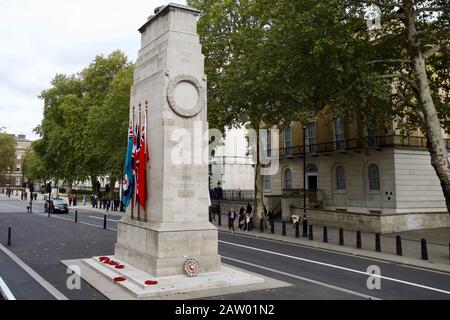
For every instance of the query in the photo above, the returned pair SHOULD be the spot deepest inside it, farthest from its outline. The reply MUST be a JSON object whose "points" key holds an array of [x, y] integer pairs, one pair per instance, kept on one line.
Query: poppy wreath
{"points": [[151, 282], [120, 266]]}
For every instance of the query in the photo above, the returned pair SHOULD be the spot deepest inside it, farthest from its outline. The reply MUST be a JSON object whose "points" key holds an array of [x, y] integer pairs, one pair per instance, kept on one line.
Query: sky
{"points": [[42, 38]]}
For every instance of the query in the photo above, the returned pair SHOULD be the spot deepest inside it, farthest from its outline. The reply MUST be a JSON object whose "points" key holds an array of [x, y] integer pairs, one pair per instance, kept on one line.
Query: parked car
{"points": [[57, 206]]}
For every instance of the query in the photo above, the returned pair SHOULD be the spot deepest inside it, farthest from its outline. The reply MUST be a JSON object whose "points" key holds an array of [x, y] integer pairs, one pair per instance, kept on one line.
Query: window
{"points": [[287, 179], [267, 186], [18, 168], [267, 143], [372, 130], [374, 178], [339, 135], [340, 178], [312, 143], [288, 141], [19, 156], [17, 181]]}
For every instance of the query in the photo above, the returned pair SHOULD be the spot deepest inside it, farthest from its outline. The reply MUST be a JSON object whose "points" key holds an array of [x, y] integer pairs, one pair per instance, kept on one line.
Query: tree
{"points": [[33, 167], [7, 151]]}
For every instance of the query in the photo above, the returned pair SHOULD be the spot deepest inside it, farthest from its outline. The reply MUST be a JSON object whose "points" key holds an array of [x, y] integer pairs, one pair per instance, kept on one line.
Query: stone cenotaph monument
{"points": [[169, 247]]}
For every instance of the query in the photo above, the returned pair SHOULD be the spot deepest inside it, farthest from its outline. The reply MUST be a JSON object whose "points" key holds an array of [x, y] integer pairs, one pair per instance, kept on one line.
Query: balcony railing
{"points": [[235, 195], [376, 142]]}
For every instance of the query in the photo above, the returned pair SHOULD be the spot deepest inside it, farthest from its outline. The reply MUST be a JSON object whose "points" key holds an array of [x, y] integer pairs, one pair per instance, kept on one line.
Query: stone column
{"points": [[170, 79]]}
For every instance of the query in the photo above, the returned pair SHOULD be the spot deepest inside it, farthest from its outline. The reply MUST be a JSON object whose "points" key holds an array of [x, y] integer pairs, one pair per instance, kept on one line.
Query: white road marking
{"points": [[305, 279], [85, 223], [112, 220], [5, 292], [44, 283], [337, 267]]}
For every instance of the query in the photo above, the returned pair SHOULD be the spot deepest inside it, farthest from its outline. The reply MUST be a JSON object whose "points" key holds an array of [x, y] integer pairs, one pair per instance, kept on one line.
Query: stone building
{"points": [[359, 175]]}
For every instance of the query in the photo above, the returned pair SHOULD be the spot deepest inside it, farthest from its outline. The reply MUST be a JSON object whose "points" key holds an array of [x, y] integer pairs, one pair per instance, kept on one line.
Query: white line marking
{"points": [[5, 292], [85, 223], [112, 220], [305, 279], [337, 267], [44, 283]]}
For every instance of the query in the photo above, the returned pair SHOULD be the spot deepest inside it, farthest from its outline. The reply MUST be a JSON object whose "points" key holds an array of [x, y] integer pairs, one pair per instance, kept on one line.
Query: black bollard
{"points": [[449, 250], [398, 241], [220, 220], [424, 249], [341, 237], [305, 228], [325, 234], [297, 229], [104, 222], [311, 234], [261, 225], [284, 228], [76, 216], [358, 240], [377, 242], [9, 237], [272, 227]]}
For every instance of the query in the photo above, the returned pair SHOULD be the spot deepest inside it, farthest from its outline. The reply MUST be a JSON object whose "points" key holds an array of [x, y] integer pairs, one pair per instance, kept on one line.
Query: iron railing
{"points": [[356, 144]]}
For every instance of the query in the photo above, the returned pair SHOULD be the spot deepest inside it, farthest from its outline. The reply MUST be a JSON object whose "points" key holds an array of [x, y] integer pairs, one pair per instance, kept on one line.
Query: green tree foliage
{"points": [[7, 151], [33, 167]]}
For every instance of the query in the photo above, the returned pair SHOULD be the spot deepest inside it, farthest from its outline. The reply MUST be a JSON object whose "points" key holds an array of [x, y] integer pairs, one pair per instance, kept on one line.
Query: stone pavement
{"points": [[438, 242]]}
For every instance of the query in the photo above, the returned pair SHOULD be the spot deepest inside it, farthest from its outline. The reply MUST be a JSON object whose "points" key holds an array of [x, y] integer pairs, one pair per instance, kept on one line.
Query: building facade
{"points": [[365, 176]]}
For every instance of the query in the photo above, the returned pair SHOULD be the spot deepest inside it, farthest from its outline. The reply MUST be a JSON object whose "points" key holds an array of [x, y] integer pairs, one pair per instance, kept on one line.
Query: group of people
{"points": [[73, 200], [245, 218], [105, 203]]}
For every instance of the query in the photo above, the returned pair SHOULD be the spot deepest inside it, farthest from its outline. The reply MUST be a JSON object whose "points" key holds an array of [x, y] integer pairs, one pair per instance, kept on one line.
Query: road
{"points": [[40, 243]]}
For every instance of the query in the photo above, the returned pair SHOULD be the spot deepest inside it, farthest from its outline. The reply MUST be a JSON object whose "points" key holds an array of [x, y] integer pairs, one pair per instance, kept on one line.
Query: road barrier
{"points": [[424, 249], [341, 237], [398, 245], [377, 242], [325, 234], [311, 234], [358, 240]]}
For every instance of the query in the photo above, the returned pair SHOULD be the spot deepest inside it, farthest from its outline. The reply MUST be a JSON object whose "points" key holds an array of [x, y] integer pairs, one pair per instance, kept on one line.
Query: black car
{"points": [[57, 206]]}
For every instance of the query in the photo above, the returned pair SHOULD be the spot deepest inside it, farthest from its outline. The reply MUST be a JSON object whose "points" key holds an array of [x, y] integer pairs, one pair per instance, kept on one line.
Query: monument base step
{"points": [[228, 280]]}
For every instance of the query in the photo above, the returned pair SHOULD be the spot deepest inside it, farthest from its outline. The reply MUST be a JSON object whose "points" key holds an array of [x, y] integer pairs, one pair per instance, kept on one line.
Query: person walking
{"points": [[231, 217]]}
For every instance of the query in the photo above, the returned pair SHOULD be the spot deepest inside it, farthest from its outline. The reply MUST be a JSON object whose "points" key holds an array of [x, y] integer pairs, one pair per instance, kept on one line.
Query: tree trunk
{"points": [[435, 140], [69, 187], [94, 186], [259, 184]]}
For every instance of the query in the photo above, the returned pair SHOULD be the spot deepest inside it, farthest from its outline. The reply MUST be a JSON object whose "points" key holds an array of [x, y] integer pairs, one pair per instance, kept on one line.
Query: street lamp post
{"points": [[304, 168]]}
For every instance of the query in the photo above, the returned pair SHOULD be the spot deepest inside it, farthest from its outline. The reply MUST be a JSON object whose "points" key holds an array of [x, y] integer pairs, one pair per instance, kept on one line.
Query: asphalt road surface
{"points": [[40, 243]]}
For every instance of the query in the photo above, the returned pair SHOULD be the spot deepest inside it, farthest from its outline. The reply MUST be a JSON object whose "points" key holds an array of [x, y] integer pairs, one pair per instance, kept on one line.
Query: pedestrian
{"points": [[70, 200], [231, 217], [271, 217], [248, 221], [75, 200], [35, 197], [241, 221], [249, 209], [84, 200]]}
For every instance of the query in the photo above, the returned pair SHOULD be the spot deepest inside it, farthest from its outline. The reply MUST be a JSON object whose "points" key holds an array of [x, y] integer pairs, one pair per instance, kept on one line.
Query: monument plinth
{"points": [[170, 78]]}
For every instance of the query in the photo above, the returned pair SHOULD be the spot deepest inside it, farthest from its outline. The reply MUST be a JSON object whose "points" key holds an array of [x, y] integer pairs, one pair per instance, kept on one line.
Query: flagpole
{"points": [[137, 155], [146, 154], [132, 205]]}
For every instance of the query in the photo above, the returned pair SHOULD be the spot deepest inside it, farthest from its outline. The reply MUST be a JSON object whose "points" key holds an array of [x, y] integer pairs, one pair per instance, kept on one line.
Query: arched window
{"points": [[374, 178], [340, 178], [287, 179]]}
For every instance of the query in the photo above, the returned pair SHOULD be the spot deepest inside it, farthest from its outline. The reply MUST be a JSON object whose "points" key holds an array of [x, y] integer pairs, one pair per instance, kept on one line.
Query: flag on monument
{"points": [[128, 180], [136, 147], [143, 159]]}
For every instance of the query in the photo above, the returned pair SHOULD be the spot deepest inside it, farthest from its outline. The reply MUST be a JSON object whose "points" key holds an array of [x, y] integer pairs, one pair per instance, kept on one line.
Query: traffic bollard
{"points": [[305, 228], [424, 249], [261, 225], [220, 220], [284, 228], [341, 237], [104, 222], [325, 234], [76, 216], [9, 237], [297, 229], [358, 240], [398, 242], [272, 227], [311, 234], [377, 242]]}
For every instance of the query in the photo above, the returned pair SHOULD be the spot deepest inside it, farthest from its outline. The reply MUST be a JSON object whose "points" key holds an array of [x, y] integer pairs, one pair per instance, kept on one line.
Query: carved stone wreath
{"points": [[192, 267], [179, 110]]}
